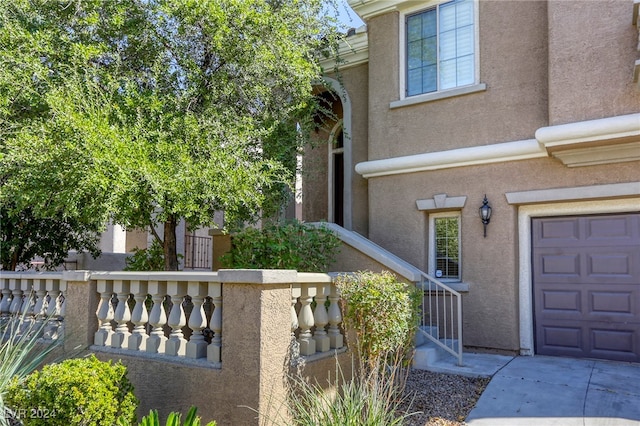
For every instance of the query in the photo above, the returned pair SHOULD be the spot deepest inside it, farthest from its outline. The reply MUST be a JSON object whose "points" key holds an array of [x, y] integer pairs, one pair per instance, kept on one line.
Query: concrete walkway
{"points": [[547, 391]]}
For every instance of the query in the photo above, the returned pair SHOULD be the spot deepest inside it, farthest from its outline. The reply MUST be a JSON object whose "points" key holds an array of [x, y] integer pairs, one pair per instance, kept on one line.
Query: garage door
{"points": [[586, 284]]}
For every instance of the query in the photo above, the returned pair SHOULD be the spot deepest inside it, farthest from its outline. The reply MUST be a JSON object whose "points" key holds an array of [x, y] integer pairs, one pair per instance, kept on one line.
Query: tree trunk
{"points": [[170, 243]]}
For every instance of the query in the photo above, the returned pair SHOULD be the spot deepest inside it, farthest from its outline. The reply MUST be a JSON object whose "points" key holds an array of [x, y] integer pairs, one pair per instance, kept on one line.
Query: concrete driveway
{"points": [[543, 390]]}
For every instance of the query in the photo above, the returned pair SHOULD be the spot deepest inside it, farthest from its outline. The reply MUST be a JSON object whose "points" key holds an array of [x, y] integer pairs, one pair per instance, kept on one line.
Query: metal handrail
{"points": [[451, 326]]}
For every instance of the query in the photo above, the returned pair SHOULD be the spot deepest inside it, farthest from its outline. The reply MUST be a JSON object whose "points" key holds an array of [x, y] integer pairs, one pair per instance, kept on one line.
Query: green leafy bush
{"points": [[290, 245], [149, 259], [383, 312], [81, 391], [174, 419]]}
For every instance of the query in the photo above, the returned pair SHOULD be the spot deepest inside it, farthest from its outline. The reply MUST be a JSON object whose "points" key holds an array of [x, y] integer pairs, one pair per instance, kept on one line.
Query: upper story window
{"points": [[440, 48]]}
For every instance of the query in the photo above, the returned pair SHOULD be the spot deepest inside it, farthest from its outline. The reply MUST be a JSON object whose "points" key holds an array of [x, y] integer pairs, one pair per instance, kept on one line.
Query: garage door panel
{"points": [[561, 302], [586, 283], [562, 339], [582, 340], [551, 265], [609, 230], [613, 303]]}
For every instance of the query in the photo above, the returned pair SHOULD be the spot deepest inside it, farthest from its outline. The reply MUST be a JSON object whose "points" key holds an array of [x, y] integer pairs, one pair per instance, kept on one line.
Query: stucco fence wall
{"points": [[249, 384]]}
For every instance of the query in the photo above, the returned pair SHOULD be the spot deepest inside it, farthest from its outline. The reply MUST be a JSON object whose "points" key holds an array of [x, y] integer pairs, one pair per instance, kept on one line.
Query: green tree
{"points": [[148, 112]]}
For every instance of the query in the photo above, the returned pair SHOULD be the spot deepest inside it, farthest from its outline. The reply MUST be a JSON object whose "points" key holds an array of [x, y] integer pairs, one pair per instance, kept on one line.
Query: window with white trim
{"points": [[444, 247], [440, 48]]}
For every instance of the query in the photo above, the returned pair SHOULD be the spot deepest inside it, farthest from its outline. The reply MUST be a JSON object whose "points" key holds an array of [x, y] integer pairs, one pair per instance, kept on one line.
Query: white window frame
{"points": [[476, 86], [432, 244]]}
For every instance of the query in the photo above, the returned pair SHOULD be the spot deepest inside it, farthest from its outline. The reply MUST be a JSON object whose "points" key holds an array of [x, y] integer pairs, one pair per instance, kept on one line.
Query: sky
{"points": [[347, 16]]}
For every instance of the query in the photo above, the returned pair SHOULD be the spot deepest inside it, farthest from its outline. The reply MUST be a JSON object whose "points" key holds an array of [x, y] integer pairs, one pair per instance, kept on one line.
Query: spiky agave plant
{"points": [[21, 352]]}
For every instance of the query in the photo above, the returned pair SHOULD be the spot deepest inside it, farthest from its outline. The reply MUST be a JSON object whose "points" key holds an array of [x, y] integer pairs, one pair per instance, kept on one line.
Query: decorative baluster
{"points": [[62, 310], [105, 314], [321, 319], [197, 347], [214, 350], [54, 323], [5, 302], [40, 306], [26, 310], [305, 319], [295, 294], [139, 317], [176, 345], [16, 296], [156, 343], [122, 314], [336, 339]]}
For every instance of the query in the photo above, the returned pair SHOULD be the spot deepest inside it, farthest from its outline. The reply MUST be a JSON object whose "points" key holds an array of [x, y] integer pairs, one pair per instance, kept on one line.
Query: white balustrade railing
{"points": [[35, 300], [318, 330], [177, 315], [137, 309]]}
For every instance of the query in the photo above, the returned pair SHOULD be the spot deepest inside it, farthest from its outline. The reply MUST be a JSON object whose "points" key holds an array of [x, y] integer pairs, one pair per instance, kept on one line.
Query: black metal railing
{"points": [[197, 252]]}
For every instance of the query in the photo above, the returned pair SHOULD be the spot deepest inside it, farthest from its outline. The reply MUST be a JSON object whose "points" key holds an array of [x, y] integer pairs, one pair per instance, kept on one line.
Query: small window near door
{"points": [[445, 252]]}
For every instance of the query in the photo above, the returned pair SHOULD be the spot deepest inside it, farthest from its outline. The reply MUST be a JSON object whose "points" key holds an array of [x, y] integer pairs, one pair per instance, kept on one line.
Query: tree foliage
{"points": [[148, 112], [291, 245]]}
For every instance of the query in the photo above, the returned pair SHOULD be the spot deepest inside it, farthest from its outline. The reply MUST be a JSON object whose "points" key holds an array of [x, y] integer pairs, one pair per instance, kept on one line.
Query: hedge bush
{"points": [[383, 312], [289, 245], [81, 391]]}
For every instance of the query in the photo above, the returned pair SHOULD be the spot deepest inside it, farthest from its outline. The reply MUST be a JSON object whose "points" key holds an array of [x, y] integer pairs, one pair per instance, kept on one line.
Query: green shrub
{"points": [[174, 419], [290, 245], [149, 259], [383, 312], [81, 391]]}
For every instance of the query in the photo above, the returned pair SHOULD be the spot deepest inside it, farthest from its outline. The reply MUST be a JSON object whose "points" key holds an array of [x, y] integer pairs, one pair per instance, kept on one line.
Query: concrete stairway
{"points": [[429, 356]]}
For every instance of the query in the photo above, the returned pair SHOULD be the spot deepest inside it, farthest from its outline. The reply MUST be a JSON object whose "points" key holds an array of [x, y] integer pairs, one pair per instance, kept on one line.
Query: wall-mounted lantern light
{"points": [[485, 214]]}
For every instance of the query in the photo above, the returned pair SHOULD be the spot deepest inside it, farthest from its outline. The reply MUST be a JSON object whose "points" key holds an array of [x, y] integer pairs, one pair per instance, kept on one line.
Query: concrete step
{"points": [[420, 339], [432, 358], [427, 354]]}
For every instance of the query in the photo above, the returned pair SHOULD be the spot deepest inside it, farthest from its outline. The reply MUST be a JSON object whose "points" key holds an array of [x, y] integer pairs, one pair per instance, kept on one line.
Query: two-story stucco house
{"points": [[535, 104]]}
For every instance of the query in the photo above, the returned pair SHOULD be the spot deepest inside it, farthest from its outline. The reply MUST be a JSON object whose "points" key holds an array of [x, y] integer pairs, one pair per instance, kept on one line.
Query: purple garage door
{"points": [[586, 286]]}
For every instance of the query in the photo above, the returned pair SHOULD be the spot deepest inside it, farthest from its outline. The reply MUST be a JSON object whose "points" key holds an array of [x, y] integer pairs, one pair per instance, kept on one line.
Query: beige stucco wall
{"points": [[592, 51], [543, 63], [489, 265], [256, 367], [314, 191], [513, 65], [352, 260]]}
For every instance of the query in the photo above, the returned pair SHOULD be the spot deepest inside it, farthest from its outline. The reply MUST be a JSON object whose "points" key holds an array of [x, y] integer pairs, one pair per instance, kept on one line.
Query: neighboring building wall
{"points": [[136, 239]]}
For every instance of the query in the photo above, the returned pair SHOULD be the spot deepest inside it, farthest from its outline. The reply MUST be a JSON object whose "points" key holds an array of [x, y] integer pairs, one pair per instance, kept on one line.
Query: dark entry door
{"points": [[586, 285]]}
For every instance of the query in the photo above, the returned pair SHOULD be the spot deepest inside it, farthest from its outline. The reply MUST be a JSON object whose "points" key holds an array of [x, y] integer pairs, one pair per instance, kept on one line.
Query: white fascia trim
{"points": [[443, 94], [486, 154], [592, 192], [601, 129], [607, 154], [367, 9], [352, 51]]}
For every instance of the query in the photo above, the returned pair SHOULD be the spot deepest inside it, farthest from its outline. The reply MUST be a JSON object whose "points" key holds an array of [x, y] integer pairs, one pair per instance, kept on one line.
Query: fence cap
{"points": [[258, 276], [156, 276]]}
